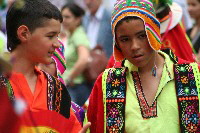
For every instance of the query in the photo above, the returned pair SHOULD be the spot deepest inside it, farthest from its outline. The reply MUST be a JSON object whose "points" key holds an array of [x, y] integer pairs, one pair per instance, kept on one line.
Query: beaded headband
{"points": [[142, 9]]}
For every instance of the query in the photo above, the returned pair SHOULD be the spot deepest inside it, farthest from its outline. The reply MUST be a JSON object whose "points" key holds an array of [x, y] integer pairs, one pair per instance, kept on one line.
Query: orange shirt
{"points": [[35, 101]]}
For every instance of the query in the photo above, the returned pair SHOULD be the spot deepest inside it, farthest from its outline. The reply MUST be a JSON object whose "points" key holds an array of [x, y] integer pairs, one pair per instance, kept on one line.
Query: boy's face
{"points": [[50, 68], [43, 41], [132, 40]]}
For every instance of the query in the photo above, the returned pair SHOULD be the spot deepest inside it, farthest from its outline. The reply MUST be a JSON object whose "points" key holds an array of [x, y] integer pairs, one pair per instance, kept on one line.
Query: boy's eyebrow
{"points": [[53, 32], [138, 33], [141, 32]]}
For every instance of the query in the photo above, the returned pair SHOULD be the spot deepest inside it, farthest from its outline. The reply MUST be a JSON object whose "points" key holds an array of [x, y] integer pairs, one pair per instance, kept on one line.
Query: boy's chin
{"points": [[47, 61]]}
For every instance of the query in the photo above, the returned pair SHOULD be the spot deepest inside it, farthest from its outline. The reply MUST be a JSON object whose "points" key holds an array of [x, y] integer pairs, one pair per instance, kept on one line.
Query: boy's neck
{"points": [[22, 65], [159, 61]]}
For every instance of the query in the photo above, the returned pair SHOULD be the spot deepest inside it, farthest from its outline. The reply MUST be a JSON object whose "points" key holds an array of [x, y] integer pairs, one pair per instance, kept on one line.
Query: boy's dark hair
{"points": [[75, 9], [31, 13]]}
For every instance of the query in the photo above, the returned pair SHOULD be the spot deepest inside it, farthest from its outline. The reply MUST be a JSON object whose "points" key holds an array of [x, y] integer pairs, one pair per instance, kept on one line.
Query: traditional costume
{"points": [[50, 96]]}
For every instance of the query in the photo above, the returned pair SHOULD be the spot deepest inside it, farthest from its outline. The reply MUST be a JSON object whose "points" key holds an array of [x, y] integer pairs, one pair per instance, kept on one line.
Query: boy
{"points": [[32, 30], [153, 91]]}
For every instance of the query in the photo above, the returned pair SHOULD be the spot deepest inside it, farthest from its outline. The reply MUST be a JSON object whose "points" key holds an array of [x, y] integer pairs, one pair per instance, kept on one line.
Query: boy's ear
{"points": [[23, 33]]}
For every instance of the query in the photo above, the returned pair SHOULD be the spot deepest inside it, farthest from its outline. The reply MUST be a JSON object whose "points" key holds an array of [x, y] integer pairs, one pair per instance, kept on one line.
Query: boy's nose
{"points": [[56, 44], [134, 45]]}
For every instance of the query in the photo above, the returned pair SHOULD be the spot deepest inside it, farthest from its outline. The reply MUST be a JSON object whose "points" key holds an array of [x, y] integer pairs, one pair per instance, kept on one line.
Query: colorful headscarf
{"points": [[142, 9], [58, 57]]}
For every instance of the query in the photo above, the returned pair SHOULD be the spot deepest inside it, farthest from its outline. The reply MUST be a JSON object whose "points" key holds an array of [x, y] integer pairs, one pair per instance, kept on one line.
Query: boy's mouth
{"points": [[50, 53], [137, 56]]}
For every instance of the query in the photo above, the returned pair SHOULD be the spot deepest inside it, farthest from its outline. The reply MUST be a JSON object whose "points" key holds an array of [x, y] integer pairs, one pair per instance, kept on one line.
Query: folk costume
{"points": [[118, 104], [50, 94]]}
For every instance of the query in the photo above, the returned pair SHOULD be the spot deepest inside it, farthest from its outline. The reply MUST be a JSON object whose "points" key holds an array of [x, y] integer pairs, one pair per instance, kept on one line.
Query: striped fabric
{"points": [[60, 61]]}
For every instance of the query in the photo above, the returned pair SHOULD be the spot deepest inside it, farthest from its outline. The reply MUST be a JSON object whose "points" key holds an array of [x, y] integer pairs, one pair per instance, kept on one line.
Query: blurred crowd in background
{"points": [[86, 27]]}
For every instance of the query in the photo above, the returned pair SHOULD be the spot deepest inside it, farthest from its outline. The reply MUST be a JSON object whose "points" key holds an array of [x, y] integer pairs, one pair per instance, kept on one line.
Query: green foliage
{"points": [[163, 2]]}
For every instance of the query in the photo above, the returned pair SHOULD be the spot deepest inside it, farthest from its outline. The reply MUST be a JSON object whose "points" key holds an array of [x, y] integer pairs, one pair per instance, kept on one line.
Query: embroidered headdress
{"points": [[58, 57], [142, 9]]}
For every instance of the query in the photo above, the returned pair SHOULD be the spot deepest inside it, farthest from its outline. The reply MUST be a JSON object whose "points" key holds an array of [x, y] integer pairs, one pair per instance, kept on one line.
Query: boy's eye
{"points": [[51, 36], [142, 36], [124, 39]]}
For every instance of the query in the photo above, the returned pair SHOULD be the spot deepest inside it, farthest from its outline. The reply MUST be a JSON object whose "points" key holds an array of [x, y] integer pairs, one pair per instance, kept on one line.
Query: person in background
{"points": [[186, 19], [3, 12], [170, 15], [153, 91], [76, 53], [97, 25], [194, 32], [3, 40]]}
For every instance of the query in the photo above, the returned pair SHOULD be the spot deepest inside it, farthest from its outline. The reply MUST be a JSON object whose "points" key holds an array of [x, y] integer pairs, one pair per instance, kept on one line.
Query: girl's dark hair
{"points": [[75, 9]]}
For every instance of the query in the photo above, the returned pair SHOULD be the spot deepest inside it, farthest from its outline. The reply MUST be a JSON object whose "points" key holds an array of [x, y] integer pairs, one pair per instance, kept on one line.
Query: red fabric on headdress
{"points": [[177, 41]]}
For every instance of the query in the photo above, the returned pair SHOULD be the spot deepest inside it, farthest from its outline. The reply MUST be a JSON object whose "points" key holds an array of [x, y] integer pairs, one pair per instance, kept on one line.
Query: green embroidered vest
{"points": [[187, 84]]}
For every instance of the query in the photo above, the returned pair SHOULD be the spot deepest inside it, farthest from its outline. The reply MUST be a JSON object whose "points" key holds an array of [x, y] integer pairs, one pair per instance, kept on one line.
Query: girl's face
{"points": [[70, 22], [194, 8], [132, 40]]}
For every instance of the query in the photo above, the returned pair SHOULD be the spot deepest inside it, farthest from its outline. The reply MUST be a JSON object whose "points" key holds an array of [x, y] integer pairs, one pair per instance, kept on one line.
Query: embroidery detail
{"points": [[171, 55], [146, 110], [50, 91], [58, 96], [115, 100], [187, 97], [54, 84], [4, 83]]}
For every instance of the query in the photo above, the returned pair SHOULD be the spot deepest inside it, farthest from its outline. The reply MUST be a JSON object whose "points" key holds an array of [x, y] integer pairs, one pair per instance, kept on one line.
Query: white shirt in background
{"points": [[94, 25]]}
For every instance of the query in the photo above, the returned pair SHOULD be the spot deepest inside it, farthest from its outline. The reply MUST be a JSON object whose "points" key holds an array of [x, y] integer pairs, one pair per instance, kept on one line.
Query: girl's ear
{"points": [[23, 33]]}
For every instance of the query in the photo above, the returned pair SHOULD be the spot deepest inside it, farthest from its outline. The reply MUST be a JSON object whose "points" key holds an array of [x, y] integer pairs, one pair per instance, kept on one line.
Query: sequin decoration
{"points": [[187, 97], [50, 91], [5, 83], [115, 100]]}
